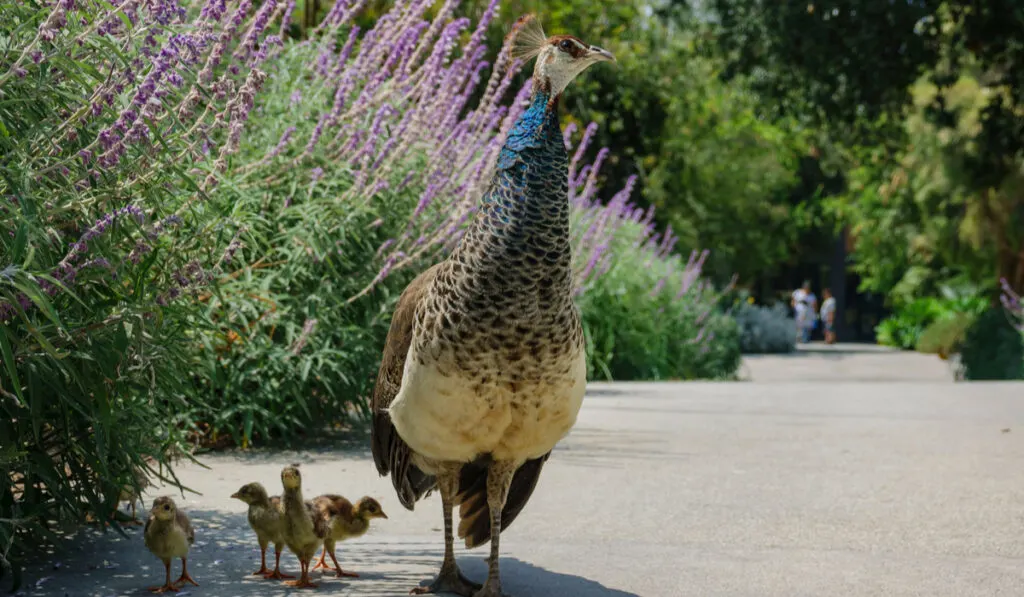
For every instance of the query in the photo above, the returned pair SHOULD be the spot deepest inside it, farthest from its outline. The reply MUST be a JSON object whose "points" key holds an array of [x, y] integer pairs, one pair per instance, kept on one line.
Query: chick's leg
{"points": [[167, 582], [263, 571], [277, 574], [330, 549], [323, 558], [450, 579], [499, 479], [303, 582], [185, 577]]}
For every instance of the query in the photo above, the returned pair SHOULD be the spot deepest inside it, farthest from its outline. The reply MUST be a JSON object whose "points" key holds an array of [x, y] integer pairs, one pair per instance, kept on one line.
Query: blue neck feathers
{"points": [[534, 128]]}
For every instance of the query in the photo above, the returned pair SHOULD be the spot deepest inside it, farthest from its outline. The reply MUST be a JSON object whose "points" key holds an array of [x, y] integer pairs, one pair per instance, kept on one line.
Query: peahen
{"points": [[484, 370]]}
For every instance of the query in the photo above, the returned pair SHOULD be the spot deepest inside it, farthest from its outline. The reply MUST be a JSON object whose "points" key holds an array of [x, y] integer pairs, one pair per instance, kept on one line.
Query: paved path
{"points": [[821, 362], [702, 489]]}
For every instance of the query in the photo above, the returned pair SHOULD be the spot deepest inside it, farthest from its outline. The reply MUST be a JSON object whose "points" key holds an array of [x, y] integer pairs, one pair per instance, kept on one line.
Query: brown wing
{"points": [[475, 514], [182, 520], [390, 453], [320, 524]]}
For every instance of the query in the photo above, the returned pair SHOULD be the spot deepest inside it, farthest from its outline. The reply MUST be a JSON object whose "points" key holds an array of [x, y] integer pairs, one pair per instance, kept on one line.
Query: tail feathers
{"points": [[475, 514]]}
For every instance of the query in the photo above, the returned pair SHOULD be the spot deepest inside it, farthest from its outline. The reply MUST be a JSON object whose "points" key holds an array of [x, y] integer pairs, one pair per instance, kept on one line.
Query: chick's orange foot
{"points": [[167, 588]]}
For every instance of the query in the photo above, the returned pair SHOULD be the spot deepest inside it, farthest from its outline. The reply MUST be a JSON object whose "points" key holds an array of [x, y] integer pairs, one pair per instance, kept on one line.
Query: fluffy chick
{"points": [[266, 517], [344, 521], [304, 531], [169, 535]]}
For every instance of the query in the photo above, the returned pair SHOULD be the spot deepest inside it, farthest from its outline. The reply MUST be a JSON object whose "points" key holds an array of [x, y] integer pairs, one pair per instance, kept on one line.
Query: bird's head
{"points": [[291, 478], [560, 58], [251, 493], [368, 508], [163, 508]]}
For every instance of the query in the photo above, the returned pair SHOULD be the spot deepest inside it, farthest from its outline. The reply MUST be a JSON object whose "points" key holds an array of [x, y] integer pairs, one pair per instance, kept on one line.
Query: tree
{"points": [[849, 68]]}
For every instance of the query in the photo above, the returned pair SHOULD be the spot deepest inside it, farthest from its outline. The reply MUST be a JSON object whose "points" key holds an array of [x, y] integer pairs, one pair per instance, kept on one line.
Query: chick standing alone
{"points": [[344, 521], [169, 535], [304, 530], [266, 517]]}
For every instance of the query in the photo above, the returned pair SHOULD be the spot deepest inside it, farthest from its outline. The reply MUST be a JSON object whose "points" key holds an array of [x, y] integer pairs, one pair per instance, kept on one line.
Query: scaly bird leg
{"points": [[499, 479], [185, 577], [167, 582], [277, 574], [338, 566], [263, 571], [450, 579]]}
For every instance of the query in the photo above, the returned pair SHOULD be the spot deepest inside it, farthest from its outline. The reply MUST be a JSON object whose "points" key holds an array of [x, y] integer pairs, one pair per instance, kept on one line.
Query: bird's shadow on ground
{"points": [[96, 564]]}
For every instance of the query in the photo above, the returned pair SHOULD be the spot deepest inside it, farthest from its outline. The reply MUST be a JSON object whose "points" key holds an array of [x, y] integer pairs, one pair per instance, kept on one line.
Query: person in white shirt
{"points": [[805, 305], [828, 316]]}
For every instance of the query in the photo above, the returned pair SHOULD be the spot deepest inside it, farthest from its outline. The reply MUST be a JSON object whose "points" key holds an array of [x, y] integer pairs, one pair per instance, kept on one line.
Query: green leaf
{"points": [[5, 351], [20, 241]]}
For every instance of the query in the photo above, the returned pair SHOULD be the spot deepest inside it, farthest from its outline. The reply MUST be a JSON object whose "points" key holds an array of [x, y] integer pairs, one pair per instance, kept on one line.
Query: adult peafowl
{"points": [[484, 370]]}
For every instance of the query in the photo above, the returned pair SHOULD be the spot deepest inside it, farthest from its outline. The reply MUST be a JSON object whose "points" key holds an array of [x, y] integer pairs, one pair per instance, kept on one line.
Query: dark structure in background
{"points": [[857, 313]]}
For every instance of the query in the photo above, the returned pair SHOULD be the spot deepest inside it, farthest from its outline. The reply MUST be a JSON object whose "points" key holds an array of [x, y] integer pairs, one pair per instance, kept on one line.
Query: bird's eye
{"points": [[565, 45], [167, 507]]}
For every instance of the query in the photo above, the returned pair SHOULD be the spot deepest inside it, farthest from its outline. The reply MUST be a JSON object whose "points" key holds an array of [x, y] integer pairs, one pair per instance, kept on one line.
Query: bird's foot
{"points": [[302, 583], [185, 578], [263, 571], [169, 587], [449, 581], [135, 522], [278, 575], [348, 574]]}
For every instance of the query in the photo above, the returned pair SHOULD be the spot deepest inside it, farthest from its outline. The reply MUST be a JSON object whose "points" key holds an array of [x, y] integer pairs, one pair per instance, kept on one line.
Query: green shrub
{"points": [[904, 327], [945, 336], [765, 329], [993, 348], [652, 319]]}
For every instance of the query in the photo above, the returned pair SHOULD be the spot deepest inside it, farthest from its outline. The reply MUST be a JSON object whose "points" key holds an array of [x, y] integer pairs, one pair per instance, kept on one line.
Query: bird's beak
{"points": [[600, 54], [382, 515], [235, 495]]}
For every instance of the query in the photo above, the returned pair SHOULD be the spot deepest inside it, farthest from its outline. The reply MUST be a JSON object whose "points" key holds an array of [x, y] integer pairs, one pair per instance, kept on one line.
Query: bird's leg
{"points": [[338, 566], [277, 574], [167, 582], [185, 577], [263, 571], [450, 579], [303, 582], [323, 558], [499, 479]]}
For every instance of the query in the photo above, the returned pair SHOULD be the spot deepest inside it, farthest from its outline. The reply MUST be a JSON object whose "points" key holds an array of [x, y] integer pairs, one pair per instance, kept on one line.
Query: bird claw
{"points": [[183, 579], [164, 589], [449, 582], [278, 575]]}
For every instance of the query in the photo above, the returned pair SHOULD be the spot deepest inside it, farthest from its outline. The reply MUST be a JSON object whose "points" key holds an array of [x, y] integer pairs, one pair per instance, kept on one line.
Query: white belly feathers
{"points": [[455, 418]]}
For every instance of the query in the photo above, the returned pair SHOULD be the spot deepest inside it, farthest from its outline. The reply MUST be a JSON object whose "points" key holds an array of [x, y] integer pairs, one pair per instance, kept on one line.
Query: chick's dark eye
{"points": [[565, 45], [166, 507]]}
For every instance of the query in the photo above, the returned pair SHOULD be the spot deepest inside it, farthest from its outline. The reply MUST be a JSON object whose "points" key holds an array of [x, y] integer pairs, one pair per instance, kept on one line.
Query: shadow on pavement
{"points": [[96, 564]]}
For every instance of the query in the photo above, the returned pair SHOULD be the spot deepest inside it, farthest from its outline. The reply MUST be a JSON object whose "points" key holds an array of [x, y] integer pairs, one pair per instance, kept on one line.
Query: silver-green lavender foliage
{"points": [[765, 329]]}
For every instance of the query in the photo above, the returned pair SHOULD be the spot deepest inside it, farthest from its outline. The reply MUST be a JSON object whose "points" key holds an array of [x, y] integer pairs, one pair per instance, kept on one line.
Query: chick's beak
{"points": [[235, 495], [600, 54]]}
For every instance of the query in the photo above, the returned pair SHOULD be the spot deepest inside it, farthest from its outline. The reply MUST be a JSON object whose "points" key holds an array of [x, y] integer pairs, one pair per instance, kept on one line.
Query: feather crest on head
{"points": [[526, 39]]}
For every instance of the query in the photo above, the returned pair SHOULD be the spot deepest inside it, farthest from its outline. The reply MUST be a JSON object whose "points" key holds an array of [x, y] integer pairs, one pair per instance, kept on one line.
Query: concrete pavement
{"points": [[756, 489]]}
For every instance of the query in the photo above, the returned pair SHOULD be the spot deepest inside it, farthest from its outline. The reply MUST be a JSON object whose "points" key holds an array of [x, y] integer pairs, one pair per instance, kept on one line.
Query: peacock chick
{"points": [[266, 518], [304, 531], [169, 534], [344, 521]]}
